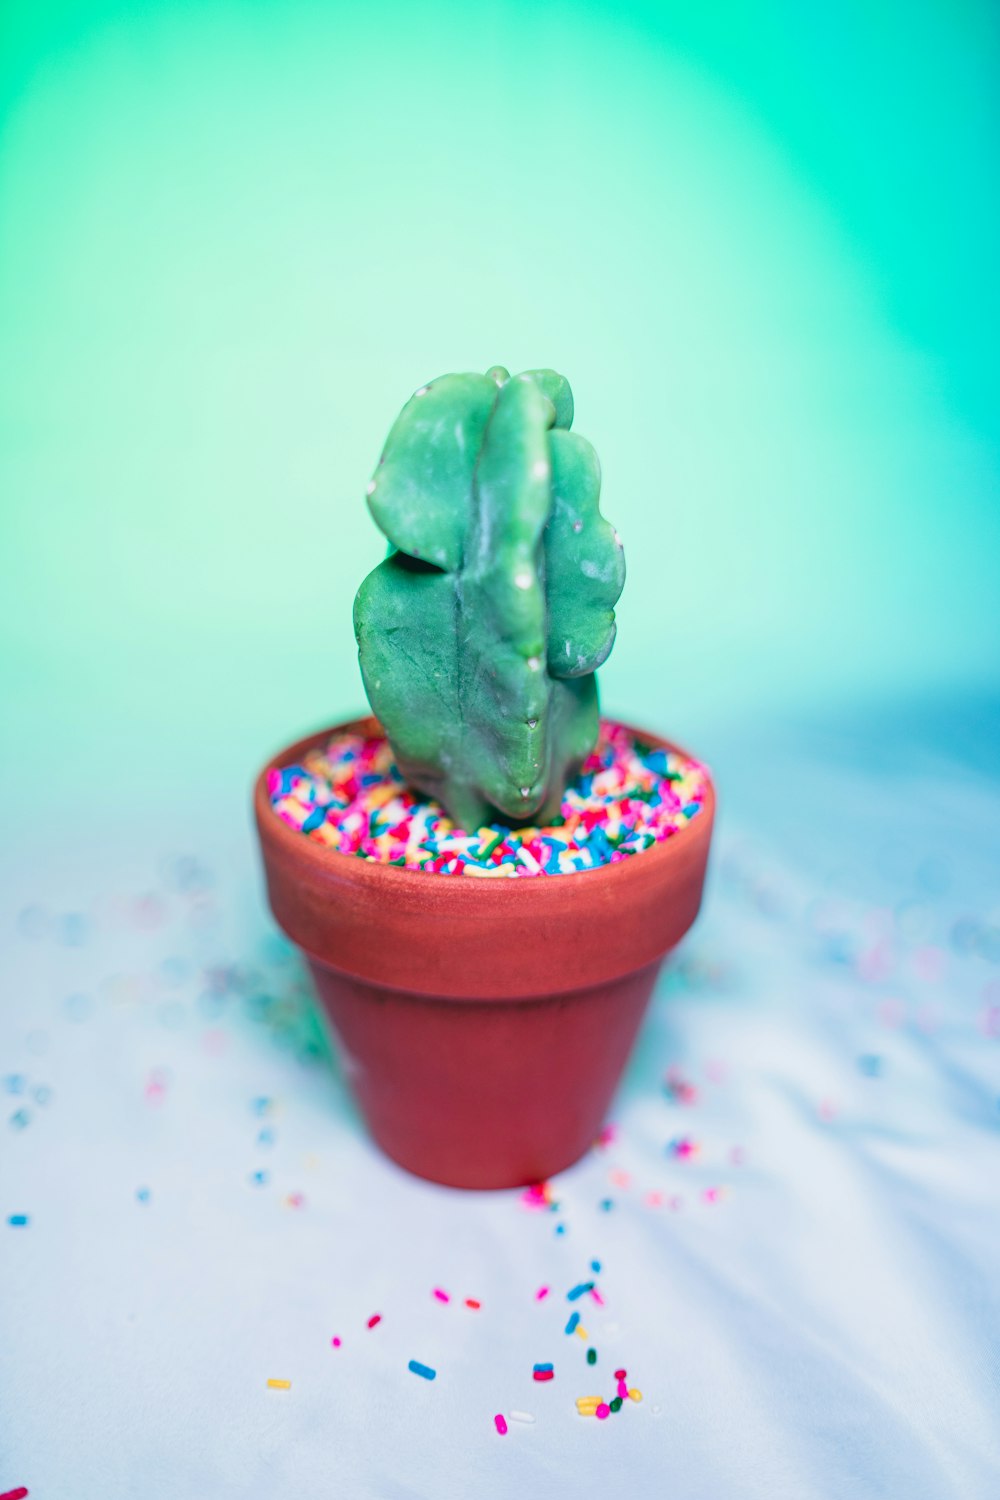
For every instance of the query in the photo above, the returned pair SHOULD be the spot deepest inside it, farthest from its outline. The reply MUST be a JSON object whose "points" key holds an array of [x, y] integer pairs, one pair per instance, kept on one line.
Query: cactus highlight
{"points": [[480, 633]]}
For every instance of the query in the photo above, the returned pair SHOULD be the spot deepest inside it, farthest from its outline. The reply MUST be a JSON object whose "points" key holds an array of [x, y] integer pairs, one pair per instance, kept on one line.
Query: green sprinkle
{"points": [[592, 1356], [616, 1404]]}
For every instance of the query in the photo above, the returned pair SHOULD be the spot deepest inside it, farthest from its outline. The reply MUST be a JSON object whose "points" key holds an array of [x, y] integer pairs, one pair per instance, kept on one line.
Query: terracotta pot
{"points": [[484, 1024]]}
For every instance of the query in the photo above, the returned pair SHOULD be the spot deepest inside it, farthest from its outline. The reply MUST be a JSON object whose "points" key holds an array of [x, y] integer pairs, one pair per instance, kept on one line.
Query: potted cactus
{"points": [[484, 1022]]}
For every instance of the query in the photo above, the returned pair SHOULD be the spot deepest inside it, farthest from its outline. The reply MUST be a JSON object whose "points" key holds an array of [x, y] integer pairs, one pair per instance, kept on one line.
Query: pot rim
{"points": [[321, 858]]}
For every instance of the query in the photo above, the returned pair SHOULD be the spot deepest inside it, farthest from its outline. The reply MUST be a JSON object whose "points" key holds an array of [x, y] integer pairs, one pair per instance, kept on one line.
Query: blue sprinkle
{"points": [[542, 1367], [20, 1119], [419, 1369], [607, 1204], [315, 819], [598, 843], [265, 1137], [560, 1229], [595, 1266], [259, 1179], [18, 1220], [14, 1083], [260, 1106], [690, 808], [578, 1291], [870, 1064], [142, 1194], [574, 1318]]}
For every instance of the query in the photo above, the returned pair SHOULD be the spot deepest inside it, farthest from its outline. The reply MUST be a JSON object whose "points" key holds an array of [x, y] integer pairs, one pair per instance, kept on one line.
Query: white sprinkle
{"points": [[371, 488], [534, 662], [540, 468], [423, 390], [521, 1416], [532, 723], [618, 540], [578, 526], [525, 791], [590, 569], [523, 580]]}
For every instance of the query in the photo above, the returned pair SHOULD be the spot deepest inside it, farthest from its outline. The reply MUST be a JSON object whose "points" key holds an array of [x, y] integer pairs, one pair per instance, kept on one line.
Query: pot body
{"points": [[484, 1024]]}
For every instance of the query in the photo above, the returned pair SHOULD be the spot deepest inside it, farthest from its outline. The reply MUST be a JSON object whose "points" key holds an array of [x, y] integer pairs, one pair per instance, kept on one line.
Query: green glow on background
{"points": [[761, 241]]}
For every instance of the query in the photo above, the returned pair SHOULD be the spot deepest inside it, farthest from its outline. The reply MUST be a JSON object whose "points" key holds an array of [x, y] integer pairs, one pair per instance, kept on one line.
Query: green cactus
{"points": [[480, 633]]}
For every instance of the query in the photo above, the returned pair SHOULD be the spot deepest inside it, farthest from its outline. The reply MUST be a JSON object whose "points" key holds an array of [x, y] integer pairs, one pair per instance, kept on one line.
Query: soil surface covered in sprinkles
{"points": [[349, 796]]}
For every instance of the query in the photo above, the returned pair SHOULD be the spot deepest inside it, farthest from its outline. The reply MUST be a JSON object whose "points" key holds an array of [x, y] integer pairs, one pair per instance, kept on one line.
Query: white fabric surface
{"points": [[825, 1325]]}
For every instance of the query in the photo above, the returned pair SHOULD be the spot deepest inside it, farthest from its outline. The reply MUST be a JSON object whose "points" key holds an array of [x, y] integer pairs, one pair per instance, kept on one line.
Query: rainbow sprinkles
{"points": [[349, 796]]}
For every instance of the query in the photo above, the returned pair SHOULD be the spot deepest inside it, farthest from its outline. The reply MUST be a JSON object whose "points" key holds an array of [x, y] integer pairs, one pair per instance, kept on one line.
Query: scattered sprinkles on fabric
{"points": [[852, 952], [350, 797]]}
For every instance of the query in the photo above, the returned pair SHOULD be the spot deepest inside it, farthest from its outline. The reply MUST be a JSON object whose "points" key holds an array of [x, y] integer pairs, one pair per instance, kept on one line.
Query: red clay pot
{"points": [[483, 1024]]}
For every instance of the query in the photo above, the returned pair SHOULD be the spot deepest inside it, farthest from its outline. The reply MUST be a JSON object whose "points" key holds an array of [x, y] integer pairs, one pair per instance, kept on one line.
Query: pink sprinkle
{"points": [[440, 1295], [654, 1200], [500, 1423], [595, 1294], [622, 1389], [375, 1318], [680, 1089], [541, 1294], [335, 1341], [604, 1410], [712, 1195], [684, 1148]]}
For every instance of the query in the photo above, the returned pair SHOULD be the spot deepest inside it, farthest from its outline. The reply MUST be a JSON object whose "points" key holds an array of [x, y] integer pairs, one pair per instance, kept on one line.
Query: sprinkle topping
{"points": [[349, 796]]}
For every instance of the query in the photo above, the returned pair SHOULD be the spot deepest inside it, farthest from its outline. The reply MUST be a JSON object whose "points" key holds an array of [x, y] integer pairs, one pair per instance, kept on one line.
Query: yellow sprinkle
{"points": [[279, 1385], [636, 1395], [588, 1403], [581, 1331]]}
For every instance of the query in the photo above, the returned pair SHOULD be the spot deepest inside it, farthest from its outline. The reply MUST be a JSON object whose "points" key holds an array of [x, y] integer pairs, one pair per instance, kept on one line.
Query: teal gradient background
{"points": [[761, 240]]}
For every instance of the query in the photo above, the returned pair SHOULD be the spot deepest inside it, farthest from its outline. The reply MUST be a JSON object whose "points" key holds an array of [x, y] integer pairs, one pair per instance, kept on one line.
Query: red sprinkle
{"points": [[620, 1375], [375, 1318], [499, 1422], [471, 1302], [543, 1374], [18, 1494]]}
